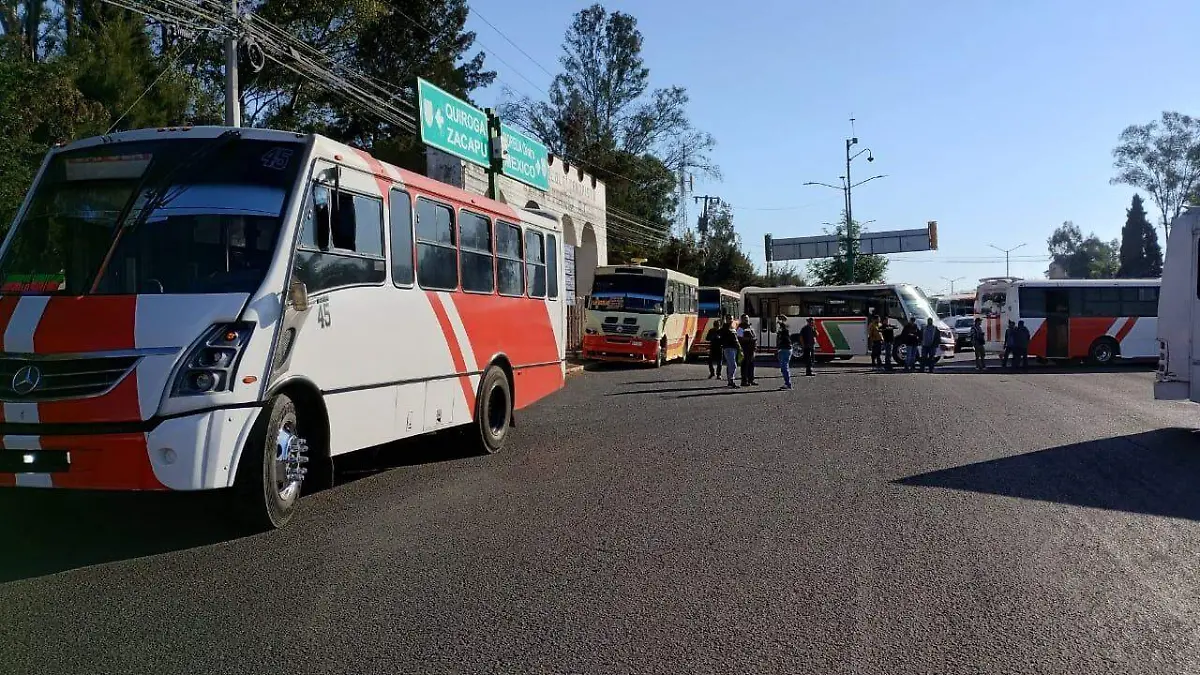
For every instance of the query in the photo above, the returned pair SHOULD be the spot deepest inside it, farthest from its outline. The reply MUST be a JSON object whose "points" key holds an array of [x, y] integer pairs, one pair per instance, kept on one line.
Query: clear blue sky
{"points": [[995, 119]]}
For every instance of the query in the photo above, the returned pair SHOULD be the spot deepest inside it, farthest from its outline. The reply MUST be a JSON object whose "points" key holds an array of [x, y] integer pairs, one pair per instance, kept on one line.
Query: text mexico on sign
{"points": [[525, 159]]}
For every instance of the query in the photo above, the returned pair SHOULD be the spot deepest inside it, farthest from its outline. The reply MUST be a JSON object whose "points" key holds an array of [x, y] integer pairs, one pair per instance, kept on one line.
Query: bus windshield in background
{"points": [[710, 303], [991, 302], [915, 305], [628, 293], [218, 207]]}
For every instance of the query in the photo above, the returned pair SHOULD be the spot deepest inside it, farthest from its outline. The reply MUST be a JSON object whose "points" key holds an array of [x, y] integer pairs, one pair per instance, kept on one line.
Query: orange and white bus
{"points": [[640, 314], [1100, 320], [229, 309], [715, 303], [990, 297]]}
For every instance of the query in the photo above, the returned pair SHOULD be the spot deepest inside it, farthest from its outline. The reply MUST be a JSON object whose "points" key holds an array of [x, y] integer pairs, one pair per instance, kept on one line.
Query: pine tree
{"points": [[1153, 252], [1133, 241]]}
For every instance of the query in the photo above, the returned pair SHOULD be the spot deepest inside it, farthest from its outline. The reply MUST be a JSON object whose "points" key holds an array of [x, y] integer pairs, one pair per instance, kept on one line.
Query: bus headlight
{"points": [[650, 334], [211, 364]]}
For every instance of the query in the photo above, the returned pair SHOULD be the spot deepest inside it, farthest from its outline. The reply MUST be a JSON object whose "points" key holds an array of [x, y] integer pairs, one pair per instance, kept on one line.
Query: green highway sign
{"points": [[452, 125], [525, 159]]}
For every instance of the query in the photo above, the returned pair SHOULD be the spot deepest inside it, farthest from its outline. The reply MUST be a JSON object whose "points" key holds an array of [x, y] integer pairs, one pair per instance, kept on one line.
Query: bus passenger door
{"points": [[768, 309], [1057, 323]]}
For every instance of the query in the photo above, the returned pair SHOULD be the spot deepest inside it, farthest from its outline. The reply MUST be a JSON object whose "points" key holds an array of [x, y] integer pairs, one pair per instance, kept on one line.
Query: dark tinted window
{"points": [[338, 261], [1139, 301], [1101, 302], [1032, 302], [437, 255], [535, 264], [552, 264], [478, 265], [402, 238], [511, 270]]}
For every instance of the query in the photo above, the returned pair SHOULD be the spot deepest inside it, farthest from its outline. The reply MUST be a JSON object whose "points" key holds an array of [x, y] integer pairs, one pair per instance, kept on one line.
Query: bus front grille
{"points": [[30, 379]]}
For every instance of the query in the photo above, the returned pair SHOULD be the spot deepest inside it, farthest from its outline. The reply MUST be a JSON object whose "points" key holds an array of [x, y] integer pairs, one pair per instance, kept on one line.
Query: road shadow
{"points": [[993, 368], [726, 391], [49, 531], [1153, 473]]}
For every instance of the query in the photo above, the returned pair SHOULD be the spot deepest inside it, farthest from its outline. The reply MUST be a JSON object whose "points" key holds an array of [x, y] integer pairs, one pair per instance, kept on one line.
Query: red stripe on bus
{"points": [[382, 178], [8, 305], [8, 479], [86, 324], [119, 405], [1126, 328], [105, 462], [824, 344], [1083, 331], [456, 355]]}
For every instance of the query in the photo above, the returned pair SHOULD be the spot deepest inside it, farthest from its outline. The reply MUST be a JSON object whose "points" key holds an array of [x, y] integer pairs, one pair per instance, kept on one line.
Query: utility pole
{"points": [[1006, 251], [704, 214], [233, 103]]}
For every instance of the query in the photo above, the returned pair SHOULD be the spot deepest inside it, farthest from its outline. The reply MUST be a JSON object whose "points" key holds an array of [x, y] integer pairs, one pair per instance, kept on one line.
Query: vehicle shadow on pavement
{"points": [[1045, 369], [49, 531], [1153, 473]]}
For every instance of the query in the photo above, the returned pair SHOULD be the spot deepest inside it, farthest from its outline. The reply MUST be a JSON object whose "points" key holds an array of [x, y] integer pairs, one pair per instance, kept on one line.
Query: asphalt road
{"points": [[651, 521]]}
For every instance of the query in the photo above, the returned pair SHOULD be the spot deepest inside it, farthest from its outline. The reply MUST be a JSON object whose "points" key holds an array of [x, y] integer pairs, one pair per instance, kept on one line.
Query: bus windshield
{"points": [[710, 303], [162, 216], [916, 306], [628, 293]]}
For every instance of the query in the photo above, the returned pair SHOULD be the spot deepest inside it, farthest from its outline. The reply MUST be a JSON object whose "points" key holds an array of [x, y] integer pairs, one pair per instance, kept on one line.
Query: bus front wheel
{"points": [[1103, 351], [271, 471], [493, 410]]}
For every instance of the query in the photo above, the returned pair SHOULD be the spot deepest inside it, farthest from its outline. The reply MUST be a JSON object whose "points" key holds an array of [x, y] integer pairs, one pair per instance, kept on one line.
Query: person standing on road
{"points": [[977, 341], [1008, 345], [729, 347], [783, 350], [748, 341], [714, 350], [910, 337], [1021, 346], [808, 338], [930, 338], [889, 342], [875, 339]]}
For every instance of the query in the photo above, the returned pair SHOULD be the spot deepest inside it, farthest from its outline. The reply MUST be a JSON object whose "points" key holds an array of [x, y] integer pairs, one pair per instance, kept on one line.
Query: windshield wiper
{"points": [[157, 198]]}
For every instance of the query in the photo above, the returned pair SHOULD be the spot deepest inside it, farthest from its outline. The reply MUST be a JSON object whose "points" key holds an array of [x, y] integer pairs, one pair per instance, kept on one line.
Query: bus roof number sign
{"points": [[452, 125]]}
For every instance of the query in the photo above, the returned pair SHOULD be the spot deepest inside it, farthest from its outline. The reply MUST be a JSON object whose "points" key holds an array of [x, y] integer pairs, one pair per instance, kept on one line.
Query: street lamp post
{"points": [[952, 282], [1006, 251]]}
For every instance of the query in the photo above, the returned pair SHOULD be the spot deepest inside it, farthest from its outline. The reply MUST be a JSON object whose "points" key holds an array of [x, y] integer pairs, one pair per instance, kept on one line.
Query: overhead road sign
{"points": [[452, 125]]}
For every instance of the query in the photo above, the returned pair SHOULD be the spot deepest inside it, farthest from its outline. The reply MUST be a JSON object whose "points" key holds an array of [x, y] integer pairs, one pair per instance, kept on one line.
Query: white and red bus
{"points": [[216, 308], [715, 303], [640, 314], [1100, 320], [990, 297]]}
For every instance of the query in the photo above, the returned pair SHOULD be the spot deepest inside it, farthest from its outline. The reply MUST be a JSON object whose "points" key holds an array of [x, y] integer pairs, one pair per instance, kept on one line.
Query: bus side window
{"points": [[478, 263], [437, 247], [400, 205], [350, 251], [552, 265], [535, 264], [511, 272]]}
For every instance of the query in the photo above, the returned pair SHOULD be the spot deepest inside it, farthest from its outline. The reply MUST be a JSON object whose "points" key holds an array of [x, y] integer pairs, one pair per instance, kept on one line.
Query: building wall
{"points": [[578, 198]]}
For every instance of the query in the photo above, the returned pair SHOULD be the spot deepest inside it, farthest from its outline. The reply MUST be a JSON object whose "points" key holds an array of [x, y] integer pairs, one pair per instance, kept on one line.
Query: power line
{"points": [[506, 39]]}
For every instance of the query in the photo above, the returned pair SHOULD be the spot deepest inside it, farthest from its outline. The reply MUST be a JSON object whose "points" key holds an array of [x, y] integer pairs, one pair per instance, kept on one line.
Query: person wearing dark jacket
{"points": [[889, 342], [783, 350], [748, 341], [977, 342], [808, 338], [714, 349], [1021, 340], [1008, 345], [729, 347]]}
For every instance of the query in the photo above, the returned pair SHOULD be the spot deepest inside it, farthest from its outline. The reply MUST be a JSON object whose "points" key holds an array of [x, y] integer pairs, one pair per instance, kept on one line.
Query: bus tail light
{"points": [[211, 364]]}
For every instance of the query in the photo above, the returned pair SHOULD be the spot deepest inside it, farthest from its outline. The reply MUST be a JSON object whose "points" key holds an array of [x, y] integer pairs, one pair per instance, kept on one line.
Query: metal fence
{"points": [[574, 335]]}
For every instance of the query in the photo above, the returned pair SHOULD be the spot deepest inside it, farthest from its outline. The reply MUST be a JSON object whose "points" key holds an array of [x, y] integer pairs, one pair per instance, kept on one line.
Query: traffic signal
{"points": [[767, 245], [933, 235]]}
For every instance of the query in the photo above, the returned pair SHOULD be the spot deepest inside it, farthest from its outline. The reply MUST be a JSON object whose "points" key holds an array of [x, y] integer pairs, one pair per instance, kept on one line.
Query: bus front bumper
{"points": [[630, 349], [192, 452]]}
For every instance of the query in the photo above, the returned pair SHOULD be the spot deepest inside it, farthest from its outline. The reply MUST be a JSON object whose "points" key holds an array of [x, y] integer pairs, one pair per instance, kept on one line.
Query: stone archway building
{"points": [[577, 197]]}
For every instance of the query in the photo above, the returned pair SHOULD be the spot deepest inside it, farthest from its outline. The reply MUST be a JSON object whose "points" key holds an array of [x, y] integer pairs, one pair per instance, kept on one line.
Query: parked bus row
{"points": [[210, 308]]}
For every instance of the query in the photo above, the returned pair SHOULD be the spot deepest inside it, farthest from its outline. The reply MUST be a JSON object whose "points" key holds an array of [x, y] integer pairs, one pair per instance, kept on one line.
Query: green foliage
{"points": [[1163, 158], [1082, 257], [868, 269], [1140, 254]]}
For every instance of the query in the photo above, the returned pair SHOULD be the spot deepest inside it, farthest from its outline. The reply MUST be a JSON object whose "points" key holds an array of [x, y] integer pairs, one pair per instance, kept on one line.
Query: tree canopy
{"points": [[1140, 255], [1082, 257], [1161, 157], [868, 269]]}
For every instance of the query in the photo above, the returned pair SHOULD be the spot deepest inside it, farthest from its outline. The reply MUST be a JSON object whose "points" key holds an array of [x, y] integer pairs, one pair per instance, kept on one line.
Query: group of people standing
{"points": [[918, 341], [731, 345]]}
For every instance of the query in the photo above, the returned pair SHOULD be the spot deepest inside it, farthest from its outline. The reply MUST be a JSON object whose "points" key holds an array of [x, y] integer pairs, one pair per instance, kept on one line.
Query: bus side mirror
{"points": [[298, 296]]}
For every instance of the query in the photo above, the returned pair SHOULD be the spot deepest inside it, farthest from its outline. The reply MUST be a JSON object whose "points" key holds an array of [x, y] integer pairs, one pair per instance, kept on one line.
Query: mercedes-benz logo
{"points": [[26, 380]]}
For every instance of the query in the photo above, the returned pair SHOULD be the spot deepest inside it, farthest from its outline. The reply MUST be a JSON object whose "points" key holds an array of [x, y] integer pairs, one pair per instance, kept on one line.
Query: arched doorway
{"points": [[586, 260]]}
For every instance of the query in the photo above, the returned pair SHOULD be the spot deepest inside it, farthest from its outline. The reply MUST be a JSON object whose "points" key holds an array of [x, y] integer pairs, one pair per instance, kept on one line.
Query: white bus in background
{"points": [[211, 308], [959, 304], [640, 314], [840, 314], [1178, 376], [1100, 320], [990, 297]]}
